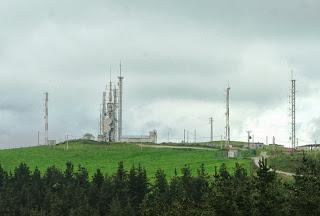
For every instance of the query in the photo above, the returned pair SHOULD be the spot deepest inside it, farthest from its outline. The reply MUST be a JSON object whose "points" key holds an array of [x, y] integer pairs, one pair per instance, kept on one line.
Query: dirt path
{"points": [[256, 162], [175, 147]]}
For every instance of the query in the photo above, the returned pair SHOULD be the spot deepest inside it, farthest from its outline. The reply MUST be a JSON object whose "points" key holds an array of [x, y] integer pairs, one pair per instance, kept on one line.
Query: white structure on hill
{"points": [[110, 122], [152, 138], [108, 116]]}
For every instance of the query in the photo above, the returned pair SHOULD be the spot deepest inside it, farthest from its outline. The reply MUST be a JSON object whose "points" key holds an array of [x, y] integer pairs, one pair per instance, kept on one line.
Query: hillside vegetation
{"points": [[95, 156]]}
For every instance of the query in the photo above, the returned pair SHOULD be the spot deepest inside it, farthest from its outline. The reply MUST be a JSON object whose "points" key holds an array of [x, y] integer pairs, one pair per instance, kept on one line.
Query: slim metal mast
{"points": [[104, 114], [46, 115], [187, 136], [38, 137], [115, 106], [249, 137], [110, 110], [120, 106], [211, 129], [293, 112], [228, 115], [100, 120]]}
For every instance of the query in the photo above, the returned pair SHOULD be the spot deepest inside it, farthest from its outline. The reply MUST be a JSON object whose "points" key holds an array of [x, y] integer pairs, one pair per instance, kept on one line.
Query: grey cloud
{"points": [[170, 49], [315, 128]]}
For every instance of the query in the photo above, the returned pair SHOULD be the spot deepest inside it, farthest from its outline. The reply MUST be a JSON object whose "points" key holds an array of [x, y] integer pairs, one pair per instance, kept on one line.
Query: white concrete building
{"points": [[233, 153], [152, 138]]}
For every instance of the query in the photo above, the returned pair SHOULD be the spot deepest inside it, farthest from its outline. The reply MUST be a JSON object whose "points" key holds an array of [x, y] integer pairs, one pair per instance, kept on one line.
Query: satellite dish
{"points": [[108, 121]]}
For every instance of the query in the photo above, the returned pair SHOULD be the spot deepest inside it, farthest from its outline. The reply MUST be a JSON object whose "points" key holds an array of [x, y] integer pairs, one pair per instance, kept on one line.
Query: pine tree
{"points": [[121, 185], [115, 208], [306, 196], [270, 196]]}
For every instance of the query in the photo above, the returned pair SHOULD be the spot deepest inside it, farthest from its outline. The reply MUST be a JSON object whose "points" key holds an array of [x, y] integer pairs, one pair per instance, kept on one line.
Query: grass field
{"points": [[290, 162], [106, 157]]}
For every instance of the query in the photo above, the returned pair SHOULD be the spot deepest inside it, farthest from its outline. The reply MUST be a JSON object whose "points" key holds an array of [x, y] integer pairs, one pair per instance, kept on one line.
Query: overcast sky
{"points": [[177, 56]]}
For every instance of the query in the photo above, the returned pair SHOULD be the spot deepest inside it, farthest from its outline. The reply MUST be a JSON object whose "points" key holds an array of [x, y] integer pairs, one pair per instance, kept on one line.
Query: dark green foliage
{"points": [[130, 193], [269, 192], [306, 195]]}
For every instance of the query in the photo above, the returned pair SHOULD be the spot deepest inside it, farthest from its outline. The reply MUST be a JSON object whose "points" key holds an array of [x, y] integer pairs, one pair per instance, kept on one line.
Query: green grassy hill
{"points": [[94, 155]]}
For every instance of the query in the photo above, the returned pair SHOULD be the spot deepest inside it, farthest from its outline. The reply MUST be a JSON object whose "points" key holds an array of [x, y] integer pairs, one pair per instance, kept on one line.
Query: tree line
{"points": [[72, 192]]}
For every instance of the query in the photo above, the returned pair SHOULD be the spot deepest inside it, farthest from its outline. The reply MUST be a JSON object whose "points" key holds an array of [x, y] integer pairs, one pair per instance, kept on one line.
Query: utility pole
{"points": [[187, 136], [46, 115], [249, 137], [67, 141], [293, 111], [38, 137], [184, 135], [228, 115], [211, 130]]}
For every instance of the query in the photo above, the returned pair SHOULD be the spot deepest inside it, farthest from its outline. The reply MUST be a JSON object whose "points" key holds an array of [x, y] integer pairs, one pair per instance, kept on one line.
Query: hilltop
{"points": [[105, 156]]}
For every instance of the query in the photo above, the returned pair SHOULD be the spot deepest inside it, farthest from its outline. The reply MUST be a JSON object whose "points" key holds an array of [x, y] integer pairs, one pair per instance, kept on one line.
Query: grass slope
{"points": [[106, 157], [290, 162]]}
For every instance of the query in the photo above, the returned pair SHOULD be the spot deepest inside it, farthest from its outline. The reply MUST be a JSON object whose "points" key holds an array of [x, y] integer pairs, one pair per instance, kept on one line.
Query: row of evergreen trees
{"points": [[131, 193]]}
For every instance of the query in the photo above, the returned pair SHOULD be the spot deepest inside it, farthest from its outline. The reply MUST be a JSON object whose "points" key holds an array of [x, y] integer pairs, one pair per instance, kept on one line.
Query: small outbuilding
{"points": [[233, 153]]}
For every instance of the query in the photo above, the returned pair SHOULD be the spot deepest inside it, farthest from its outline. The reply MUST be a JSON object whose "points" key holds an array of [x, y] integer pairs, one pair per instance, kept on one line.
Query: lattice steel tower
{"points": [[228, 115], [120, 105], [293, 112], [46, 119]]}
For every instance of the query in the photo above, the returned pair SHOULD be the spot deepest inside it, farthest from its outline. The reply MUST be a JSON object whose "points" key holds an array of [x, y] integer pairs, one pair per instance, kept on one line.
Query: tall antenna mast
{"points": [[115, 107], [100, 120], [46, 115], [104, 114], [228, 115], [211, 129], [110, 88], [293, 111], [120, 104]]}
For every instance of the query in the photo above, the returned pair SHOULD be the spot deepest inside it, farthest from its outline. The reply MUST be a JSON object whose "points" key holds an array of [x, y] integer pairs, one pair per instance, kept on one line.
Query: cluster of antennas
{"points": [[111, 112]]}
